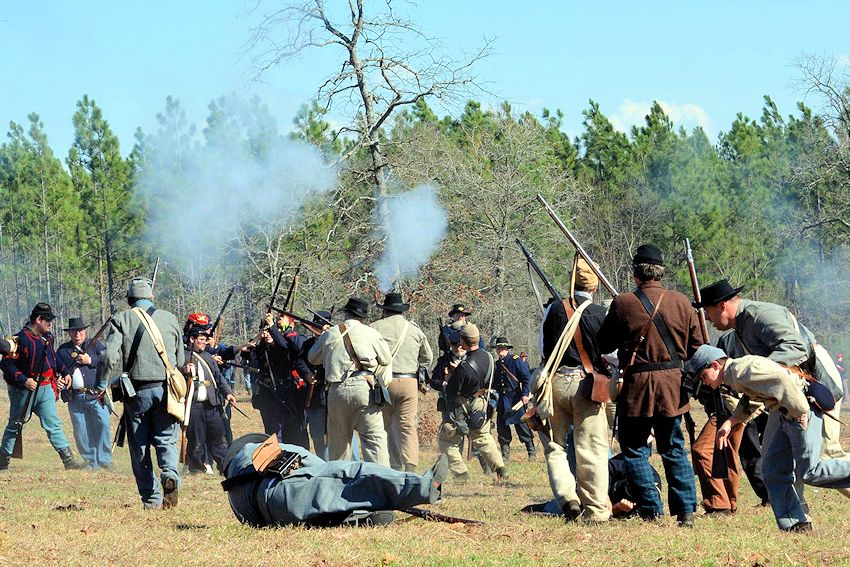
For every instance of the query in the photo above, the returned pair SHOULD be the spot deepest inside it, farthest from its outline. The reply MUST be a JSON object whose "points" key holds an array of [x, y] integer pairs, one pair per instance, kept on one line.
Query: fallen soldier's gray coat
{"points": [[320, 492]]}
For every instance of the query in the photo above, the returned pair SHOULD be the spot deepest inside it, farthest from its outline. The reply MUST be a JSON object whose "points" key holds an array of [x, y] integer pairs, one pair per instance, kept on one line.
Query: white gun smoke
{"points": [[414, 224], [206, 198]]}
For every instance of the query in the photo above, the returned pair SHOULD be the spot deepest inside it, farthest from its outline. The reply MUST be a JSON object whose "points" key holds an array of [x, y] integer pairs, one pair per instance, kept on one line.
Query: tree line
{"points": [[765, 204]]}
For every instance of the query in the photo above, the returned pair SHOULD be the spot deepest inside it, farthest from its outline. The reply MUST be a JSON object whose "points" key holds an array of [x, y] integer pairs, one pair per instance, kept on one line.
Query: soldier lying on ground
{"points": [[622, 493], [309, 491]]}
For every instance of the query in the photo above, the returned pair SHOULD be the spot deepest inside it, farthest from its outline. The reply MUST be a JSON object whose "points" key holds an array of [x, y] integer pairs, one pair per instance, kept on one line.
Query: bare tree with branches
{"points": [[387, 64]]}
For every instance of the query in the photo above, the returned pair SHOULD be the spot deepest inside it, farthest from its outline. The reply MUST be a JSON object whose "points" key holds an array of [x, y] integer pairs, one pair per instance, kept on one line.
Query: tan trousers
{"points": [[717, 494], [482, 441], [590, 436], [349, 410], [400, 418]]}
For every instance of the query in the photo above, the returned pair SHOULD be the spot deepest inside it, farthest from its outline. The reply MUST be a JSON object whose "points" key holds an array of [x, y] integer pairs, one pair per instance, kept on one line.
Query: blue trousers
{"points": [[681, 489], [44, 407], [90, 420], [150, 427], [790, 459]]}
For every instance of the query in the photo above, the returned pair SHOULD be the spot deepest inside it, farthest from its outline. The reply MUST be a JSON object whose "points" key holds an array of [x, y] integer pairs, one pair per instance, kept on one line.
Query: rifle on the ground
{"points": [[26, 411], [435, 517], [221, 311], [531, 262], [608, 285], [719, 460]]}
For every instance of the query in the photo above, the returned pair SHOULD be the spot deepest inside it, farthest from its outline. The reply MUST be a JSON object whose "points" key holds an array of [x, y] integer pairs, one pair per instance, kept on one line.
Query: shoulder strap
{"points": [[349, 348], [660, 325], [582, 352], [156, 336], [400, 339], [137, 340]]}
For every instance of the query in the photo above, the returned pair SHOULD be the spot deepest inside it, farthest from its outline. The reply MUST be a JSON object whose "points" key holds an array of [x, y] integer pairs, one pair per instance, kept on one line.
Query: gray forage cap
{"points": [[705, 355], [140, 288]]}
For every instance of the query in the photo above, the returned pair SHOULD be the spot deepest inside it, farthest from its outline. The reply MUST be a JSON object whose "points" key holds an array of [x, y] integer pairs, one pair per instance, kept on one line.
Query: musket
{"points": [[435, 517], [221, 311], [243, 366], [26, 411], [579, 248], [155, 271], [719, 461], [531, 262], [310, 325], [92, 342], [324, 320], [695, 286], [290, 295]]}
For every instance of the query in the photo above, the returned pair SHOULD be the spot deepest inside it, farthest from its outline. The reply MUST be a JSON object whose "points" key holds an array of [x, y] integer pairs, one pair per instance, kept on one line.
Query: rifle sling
{"points": [[660, 326], [349, 348]]}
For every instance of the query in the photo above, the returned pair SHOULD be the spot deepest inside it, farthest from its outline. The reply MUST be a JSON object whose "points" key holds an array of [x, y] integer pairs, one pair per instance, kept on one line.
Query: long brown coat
{"points": [[647, 394]]}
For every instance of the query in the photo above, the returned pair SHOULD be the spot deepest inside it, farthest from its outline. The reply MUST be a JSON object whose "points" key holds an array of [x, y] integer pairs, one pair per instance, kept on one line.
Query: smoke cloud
{"points": [[207, 195], [414, 224]]}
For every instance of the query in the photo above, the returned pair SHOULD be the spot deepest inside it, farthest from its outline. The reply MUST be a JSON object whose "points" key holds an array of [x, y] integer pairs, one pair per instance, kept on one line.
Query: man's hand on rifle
{"points": [[83, 359], [231, 399], [188, 369], [30, 384], [525, 400], [63, 382], [218, 359], [268, 319]]}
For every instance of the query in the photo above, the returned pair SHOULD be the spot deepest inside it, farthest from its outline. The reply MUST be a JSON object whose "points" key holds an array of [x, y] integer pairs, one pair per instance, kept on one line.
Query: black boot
{"points": [[506, 452], [532, 451], [68, 460], [4, 460]]}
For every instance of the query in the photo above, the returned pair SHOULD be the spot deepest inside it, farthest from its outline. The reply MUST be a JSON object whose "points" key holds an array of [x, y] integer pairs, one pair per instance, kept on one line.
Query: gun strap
{"points": [[400, 338]]}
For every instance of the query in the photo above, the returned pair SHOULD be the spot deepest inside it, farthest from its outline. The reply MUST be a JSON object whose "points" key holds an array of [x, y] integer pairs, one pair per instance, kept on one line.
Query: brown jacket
{"points": [[657, 392]]}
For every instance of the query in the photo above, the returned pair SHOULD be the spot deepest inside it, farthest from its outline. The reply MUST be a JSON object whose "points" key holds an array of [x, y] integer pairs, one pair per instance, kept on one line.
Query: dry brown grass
{"points": [[50, 516]]}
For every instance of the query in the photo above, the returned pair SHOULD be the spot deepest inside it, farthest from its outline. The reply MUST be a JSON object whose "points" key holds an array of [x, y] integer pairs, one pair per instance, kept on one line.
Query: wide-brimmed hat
{"points": [[393, 302], [502, 342], [357, 307], [76, 324], [715, 293], [459, 309], [648, 254], [322, 317], [44, 311]]}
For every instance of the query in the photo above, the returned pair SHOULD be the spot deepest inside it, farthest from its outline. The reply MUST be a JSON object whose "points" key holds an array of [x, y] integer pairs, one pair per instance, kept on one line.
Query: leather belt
{"points": [[86, 391]]}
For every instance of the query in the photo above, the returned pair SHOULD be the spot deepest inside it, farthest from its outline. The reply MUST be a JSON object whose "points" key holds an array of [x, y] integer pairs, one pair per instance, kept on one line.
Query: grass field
{"points": [[52, 516]]}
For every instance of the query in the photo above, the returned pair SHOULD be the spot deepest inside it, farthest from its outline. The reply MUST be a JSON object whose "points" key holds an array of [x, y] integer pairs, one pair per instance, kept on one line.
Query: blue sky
{"points": [[705, 61]]}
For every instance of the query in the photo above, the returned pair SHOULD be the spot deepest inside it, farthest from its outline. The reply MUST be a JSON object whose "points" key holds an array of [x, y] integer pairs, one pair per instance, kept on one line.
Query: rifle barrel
{"points": [[579, 248], [539, 271], [692, 270], [221, 311]]}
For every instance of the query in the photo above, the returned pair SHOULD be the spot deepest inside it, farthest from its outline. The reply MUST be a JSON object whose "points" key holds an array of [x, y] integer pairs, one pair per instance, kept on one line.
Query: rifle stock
{"points": [[579, 248], [26, 411], [221, 311]]}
